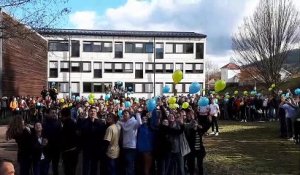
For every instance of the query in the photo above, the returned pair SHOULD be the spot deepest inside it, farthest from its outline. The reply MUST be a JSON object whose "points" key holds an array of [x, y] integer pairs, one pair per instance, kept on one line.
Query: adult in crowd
{"points": [[22, 134], [6, 167], [214, 113]]}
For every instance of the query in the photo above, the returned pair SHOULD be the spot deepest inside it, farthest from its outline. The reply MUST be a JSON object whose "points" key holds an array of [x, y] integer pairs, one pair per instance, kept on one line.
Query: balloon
{"points": [[227, 96], [217, 96], [270, 89], [245, 92], [220, 85], [136, 100], [297, 91], [236, 92], [166, 89], [73, 97], [151, 105], [62, 100], [174, 106], [213, 92], [127, 104], [185, 105], [107, 97], [194, 88], [273, 85], [91, 101], [203, 101], [253, 92], [177, 76], [120, 113], [172, 100], [129, 88], [287, 95], [38, 104], [91, 96]]}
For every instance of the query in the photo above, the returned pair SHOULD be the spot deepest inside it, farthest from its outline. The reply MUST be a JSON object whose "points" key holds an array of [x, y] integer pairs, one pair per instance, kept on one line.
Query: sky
{"points": [[218, 19]]}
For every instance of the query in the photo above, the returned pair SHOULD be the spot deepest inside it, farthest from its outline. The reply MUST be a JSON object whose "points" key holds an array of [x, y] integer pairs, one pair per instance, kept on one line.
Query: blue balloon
{"points": [[120, 113], [107, 96], [127, 104], [129, 88], [77, 98], [253, 92], [287, 95], [151, 105], [297, 91], [204, 101], [73, 97], [194, 88], [166, 89]]}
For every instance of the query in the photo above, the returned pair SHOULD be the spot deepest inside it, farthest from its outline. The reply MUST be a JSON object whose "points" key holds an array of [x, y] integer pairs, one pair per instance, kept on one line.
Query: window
{"points": [[108, 67], [148, 88], [118, 50], [92, 46], [188, 48], [75, 87], [169, 68], [189, 68], [198, 68], [97, 70], [87, 87], [128, 86], [118, 67], [75, 51], [159, 50], [149, 47], [179, 66], [138, 47], [64, 66], [199, 50], [149, 67], [138, 70], [107, 46], [187, 87], [169, 48], [63, 87], [98, 87], [179, 88], [179, 48], [58, 45], [53, 69], [159, 68], [171, 87], [138, 88], [75, 66], [86, 67], [128, 67]]}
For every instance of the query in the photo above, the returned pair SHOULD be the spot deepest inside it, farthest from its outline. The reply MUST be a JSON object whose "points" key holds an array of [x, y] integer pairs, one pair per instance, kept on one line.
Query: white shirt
{"points": [[214, 109]]}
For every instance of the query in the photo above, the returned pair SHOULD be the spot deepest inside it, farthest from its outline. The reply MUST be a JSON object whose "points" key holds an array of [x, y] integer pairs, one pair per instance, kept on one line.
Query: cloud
{"points": [[83, 19]]}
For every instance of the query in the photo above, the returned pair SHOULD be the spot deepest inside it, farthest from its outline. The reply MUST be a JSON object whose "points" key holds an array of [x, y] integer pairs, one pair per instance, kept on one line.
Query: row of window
{"points": [[130, 47], [125, 67], [101, 87]]}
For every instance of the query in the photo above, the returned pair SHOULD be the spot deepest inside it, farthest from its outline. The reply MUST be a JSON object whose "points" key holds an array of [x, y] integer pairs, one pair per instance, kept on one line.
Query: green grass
{"points": [[251, 148]]}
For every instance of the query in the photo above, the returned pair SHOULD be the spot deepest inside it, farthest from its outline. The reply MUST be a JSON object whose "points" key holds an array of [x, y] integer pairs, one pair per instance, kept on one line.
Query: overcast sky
{"points": [[218, 19]]}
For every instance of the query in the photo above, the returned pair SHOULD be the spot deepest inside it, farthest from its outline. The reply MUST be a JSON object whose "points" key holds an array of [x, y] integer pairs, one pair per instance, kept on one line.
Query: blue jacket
{"points": [[145, 139]]}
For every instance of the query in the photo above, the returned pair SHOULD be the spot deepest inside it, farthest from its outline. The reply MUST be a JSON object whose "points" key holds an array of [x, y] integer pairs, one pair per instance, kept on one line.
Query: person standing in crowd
{"points": [[44, 92], [69, 144], [272, 108], [111, 142], [4, 103], [14, 106], [129, 126], [290, 114], [282, 118], [17, 130], [53, 93], [39, 151], [52, 131], [92, 133], [214, 112], [6, 167]]}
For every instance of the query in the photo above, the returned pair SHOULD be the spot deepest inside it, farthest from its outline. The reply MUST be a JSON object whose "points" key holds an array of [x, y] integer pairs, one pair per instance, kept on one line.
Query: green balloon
{"points": [[220, 85]]}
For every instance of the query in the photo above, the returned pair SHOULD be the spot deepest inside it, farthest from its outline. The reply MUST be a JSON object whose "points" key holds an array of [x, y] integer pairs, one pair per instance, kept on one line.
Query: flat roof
{"points": [[125, 33]]}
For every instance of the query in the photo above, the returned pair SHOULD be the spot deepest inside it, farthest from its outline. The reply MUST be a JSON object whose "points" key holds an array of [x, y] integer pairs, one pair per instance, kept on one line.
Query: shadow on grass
{"points": [[251, 148]]}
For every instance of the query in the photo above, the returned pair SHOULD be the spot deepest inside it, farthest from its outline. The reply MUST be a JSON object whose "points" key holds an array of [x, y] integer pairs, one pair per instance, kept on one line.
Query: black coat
{"points": [[24, 144], [52, 131], [69, 136], [38, 149]]}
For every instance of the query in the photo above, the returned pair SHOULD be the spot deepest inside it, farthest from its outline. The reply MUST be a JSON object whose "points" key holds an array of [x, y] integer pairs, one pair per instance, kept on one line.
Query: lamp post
{"points": [[154, 69], [70, 46]]}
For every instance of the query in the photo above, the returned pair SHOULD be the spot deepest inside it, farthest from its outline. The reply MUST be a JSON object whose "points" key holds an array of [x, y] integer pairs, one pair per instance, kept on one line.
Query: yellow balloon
{"points": [[270, 89], [185, 105], [227, 96], [236, 92], [220, 85], [177, 76], [245, 92], [172, 100], [173, 106], [62, 100], [91, 101], [273, 85]]}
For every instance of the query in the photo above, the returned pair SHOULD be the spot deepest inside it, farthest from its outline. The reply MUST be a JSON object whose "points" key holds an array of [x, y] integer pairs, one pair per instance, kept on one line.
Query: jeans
{"points": [[214, 123], [89, 163], [176, 164], [163, 164], [199, 154], [129, 156], [111, 165], [41, 167]]}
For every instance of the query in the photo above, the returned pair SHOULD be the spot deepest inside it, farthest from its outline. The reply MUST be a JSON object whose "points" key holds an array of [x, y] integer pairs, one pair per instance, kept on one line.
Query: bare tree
{"points": [[263, 41], [34, 14], [210, 68]]}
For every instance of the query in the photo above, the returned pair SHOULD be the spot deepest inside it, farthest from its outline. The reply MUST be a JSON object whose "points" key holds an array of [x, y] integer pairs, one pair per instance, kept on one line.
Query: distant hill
{"points": [[292, 63]]}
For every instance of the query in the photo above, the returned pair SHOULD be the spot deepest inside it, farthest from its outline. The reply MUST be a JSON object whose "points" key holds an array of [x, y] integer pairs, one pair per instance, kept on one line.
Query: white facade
{"points": [[229, 75], [124, 69]]}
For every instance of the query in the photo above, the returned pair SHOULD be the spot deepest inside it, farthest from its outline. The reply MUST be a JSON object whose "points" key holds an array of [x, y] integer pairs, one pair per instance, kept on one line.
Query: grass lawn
{"points": [[250, 148]]}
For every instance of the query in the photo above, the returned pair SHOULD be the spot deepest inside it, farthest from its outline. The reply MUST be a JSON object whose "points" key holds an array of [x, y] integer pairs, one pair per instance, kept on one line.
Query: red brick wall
{"points": [[24, 62]]}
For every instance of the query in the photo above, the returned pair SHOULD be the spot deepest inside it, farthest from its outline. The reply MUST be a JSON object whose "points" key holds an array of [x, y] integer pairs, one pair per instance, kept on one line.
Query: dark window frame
{"points": [[65, 69], [79, 67], [83, 87], [87, 71], [101, 74], [75, 48], [184, 49], [199, 50], [68, 87], [133, 48], [123, 70], [63, 46], [93, 46]]}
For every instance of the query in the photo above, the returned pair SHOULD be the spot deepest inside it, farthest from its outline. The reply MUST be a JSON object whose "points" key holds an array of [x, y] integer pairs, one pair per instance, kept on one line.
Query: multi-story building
{"points": [[81, 62]]}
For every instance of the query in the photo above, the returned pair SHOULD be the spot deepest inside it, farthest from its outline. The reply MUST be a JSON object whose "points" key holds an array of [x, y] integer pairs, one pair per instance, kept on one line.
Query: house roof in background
{"points": [[126, 33], [231, 66]]}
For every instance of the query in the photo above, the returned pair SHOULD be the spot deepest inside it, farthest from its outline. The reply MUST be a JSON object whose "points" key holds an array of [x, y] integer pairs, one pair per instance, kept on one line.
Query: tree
{"points": [[34, 14], [264, 40]]}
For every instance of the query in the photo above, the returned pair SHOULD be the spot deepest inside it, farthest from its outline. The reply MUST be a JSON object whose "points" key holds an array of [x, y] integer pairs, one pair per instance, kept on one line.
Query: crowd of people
{"points": [[119, 135]]}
